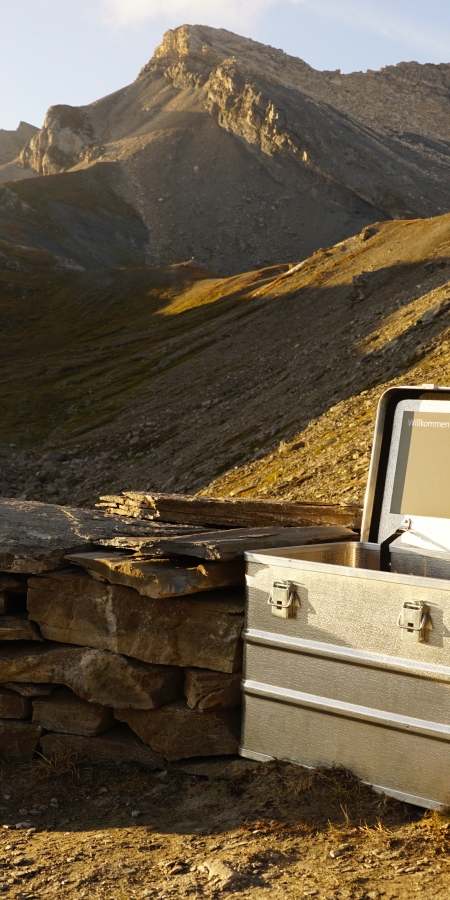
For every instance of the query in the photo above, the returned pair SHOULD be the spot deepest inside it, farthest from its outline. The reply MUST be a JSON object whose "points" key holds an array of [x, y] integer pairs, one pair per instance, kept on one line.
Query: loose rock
{"points": [[178, 732], [64, 711]]}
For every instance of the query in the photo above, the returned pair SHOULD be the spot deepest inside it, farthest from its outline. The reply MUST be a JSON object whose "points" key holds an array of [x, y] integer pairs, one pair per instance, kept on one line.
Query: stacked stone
{"points": [[115, 654]]}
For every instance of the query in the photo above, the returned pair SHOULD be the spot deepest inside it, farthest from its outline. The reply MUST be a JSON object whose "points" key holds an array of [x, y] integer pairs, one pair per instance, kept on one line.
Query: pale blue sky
{"points": [[75, 51]]}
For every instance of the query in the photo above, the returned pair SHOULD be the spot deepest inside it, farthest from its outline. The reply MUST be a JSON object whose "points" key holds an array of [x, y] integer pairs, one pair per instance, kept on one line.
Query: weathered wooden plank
{"points": [[117, 745], [13, 628], [205, 689], [234, 542], [178, 732], [202, 630], [160, 578], [100, 677], [12, 706], [35, 537], [18, 740], [64, 711], [235, 513]]}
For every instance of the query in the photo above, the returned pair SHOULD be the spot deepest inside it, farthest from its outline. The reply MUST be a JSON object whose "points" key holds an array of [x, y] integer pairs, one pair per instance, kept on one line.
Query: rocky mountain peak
{"points": [[189, 54], [240, 155]]}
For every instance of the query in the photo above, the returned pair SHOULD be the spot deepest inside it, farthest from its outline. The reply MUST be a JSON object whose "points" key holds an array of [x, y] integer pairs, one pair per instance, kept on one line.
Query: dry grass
{"points": [[61, 764]]}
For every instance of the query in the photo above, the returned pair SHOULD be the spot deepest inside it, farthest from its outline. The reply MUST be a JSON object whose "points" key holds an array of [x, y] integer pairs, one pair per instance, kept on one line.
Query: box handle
{"points": [[423, 622], [283, 600], [413, 621], [281, 605]]}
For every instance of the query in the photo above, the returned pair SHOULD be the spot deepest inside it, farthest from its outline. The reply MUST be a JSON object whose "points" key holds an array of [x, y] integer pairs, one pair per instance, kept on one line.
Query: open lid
{"points": [[409, 475]]}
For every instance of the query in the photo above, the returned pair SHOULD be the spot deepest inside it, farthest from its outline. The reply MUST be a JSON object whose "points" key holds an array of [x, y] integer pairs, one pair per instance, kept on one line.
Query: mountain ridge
{"points": [[239, 155], [12, 142]]}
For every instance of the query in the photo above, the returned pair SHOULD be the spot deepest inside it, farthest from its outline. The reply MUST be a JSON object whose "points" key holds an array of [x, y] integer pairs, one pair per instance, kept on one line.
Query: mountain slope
{"points": [[80, 215], [241, 156], [168, 378]]}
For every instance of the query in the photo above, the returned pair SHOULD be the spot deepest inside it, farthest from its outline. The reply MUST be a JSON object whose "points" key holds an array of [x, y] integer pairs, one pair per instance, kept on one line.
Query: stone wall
{"points": [[120, 638]]}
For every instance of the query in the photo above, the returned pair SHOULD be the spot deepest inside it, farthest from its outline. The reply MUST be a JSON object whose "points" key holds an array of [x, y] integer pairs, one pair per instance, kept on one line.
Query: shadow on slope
{"points": [[163, 379], [80, 215]]}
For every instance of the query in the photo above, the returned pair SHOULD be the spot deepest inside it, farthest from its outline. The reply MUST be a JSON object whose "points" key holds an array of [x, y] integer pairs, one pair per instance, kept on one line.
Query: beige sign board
{"points": [[422, 477]]}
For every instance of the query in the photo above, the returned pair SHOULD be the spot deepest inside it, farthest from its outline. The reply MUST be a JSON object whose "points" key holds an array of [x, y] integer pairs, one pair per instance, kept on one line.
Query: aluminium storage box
{"points": [[347, 646]]}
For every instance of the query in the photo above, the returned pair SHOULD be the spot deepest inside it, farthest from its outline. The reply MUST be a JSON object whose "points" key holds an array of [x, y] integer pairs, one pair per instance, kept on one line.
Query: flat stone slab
{"points": [[160, 578], [64, 711], [35, 537], [179, 732], [202, 630], [13, 628], [18, 740], [232, 543], [117, 745], [29, 689], [95, 675]]}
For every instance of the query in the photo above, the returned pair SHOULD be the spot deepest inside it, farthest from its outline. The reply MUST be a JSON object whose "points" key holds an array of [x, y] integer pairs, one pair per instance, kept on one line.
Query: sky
{"points": [[76, 51]]}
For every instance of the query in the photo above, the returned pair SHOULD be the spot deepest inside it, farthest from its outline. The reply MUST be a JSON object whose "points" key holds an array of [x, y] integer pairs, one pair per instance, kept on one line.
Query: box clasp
{"points": [[283, 600], [413, 621]]}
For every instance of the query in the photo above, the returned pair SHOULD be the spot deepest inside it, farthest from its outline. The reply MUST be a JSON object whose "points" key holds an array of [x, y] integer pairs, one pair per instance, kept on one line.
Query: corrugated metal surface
{"points": [[340, 684]]}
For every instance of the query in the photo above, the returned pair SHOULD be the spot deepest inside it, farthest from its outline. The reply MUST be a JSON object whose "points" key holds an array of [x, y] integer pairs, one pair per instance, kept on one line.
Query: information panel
{"points": [[422, 476]]}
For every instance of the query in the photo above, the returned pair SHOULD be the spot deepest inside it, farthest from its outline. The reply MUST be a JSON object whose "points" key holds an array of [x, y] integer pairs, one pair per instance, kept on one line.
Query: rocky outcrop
{"points": [[12, 142], [63, 141]]}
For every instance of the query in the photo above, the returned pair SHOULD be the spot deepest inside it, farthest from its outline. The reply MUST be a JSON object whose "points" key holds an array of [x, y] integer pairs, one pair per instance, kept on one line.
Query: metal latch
{"points": [[283, 600], [413, 620]]}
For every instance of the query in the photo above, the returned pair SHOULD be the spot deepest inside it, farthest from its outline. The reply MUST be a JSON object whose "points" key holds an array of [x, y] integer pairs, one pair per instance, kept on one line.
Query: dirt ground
{"points": [[213, 829]]}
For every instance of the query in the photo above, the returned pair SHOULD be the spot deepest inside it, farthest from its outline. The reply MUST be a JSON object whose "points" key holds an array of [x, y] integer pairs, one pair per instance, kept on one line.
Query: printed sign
{"points": [[422, 476]]}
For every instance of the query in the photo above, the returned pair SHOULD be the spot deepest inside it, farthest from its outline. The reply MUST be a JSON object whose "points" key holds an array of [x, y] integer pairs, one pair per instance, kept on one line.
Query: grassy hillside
{"points": [[261, 384], [394, 291]]}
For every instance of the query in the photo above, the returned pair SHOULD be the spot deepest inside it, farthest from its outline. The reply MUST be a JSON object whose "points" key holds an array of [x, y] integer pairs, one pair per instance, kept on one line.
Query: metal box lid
{"points": [[409, 476]]}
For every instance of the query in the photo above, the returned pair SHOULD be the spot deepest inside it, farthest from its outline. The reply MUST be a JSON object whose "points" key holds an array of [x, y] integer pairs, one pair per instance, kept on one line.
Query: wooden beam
{"points": [[228, 512]]}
